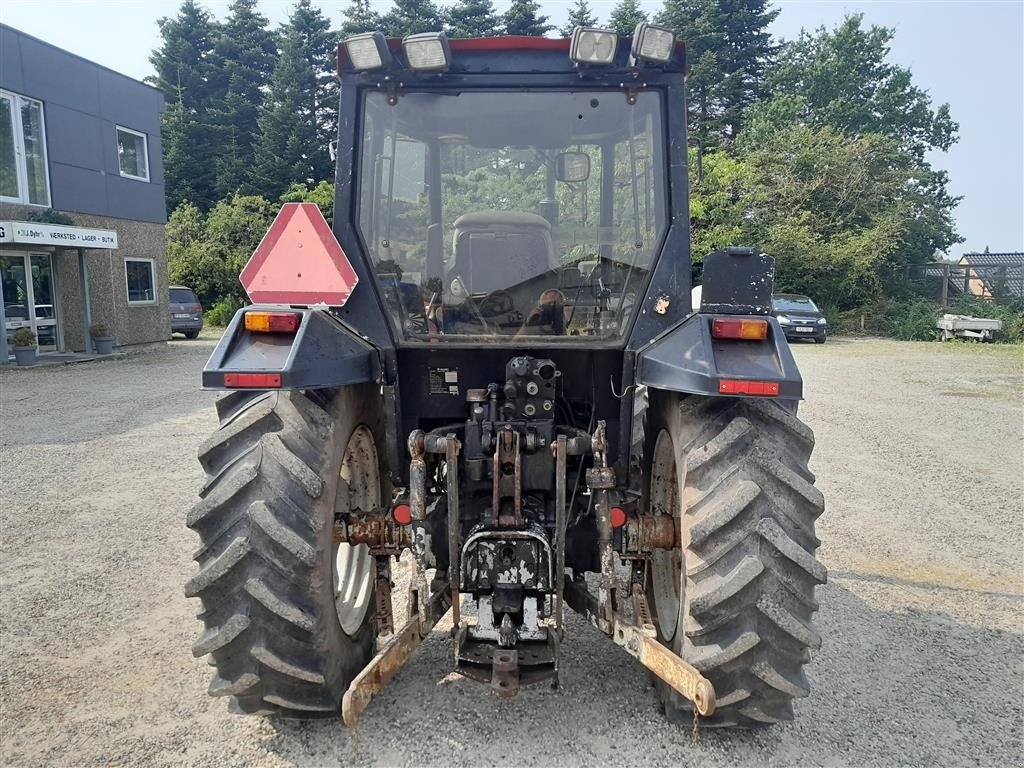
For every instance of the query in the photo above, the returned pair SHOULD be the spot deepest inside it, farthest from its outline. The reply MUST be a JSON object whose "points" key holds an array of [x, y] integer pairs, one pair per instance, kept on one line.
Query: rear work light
{"points": [[593, 46], [252, 380], [427, 51], [651, 43], [367, 51], [272, 322], [748, 330]]}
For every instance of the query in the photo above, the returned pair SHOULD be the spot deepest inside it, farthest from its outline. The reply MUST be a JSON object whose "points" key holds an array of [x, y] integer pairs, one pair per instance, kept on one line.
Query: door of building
{"points": [[27, 289]]}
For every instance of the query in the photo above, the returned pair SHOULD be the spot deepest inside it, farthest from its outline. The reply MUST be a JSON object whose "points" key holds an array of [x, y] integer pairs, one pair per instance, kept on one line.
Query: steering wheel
{"points": [[497, 303]]}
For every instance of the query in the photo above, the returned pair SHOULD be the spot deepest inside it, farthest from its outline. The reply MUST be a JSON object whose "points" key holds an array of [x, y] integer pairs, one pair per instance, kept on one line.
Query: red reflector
{"points": [[402, 514], [252, 380], [272, 322], [618, 517], [729, 328], [764, 388]]}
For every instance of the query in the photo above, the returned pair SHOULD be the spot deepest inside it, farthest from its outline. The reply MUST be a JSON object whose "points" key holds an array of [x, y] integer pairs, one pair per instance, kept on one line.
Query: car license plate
{"points": [[804, 330], [178, 316]]}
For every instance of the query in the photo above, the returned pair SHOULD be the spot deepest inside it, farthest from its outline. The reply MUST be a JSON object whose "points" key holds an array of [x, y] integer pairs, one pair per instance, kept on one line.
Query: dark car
{"points": [[186, 312], [799, 317]]}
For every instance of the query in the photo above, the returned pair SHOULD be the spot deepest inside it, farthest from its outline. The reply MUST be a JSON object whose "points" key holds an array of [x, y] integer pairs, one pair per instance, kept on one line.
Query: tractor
{"points": [[488, 370]]}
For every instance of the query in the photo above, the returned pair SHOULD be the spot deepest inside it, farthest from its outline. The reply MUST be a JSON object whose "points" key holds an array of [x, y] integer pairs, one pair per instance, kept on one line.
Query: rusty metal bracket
{"points": [[600, 479], [642, 612], [505, 673], [382, 596], [560, 449], [507, 484], [383, 667], [454, 530]]}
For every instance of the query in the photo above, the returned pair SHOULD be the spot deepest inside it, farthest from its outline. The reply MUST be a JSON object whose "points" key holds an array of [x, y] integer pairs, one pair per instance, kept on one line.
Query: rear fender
{"points": [[738, 283], [321, 353], [687, 359]]}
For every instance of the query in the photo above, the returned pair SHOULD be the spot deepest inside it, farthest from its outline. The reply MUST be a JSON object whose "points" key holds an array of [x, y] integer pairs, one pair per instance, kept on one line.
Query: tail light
{"points": [[196, 308], [735, 328], [272, 322]]}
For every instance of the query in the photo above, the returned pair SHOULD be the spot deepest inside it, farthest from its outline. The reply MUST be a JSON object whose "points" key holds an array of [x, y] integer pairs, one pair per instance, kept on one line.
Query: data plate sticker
{"points": [[444, 381]]}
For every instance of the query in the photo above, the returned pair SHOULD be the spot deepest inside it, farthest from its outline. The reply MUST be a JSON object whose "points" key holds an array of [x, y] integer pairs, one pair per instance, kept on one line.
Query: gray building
{"points": [[82, 208]]}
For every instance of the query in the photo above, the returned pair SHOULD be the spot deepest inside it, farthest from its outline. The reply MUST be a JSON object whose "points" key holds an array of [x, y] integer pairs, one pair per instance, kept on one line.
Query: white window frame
{"points": [[152, 272], [20, 168], [145, 149]]}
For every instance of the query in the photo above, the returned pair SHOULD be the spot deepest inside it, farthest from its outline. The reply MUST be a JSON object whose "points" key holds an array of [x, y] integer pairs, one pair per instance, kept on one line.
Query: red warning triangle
{"points": [[299, 262]]}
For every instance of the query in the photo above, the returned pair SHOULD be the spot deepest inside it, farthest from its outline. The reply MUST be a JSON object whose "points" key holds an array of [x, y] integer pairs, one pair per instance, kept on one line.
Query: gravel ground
{"points": [[919, 456]]}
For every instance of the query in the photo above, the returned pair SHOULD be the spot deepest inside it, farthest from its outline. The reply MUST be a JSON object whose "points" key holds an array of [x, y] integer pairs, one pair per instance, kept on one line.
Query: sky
{"points": [[969, 53]]}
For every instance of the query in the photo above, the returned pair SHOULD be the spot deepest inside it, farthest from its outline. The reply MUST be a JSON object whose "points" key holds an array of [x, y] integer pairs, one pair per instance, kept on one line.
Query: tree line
{"points": [[815, 150]]}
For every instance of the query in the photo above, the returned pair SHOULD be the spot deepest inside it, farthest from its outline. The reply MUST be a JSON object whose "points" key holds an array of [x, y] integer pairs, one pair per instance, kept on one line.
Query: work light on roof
{"points": [[427, 51], [593, 46], [651, 43], [368, 51]]}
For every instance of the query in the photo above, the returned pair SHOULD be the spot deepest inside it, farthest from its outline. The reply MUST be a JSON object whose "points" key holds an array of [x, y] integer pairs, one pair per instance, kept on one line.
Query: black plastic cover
{"points": [[688, 359], [322, 353], [737, 281]]}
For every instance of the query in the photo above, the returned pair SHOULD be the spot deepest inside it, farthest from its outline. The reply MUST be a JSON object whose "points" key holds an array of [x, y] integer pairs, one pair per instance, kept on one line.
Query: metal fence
{"points": [[998, 280]]}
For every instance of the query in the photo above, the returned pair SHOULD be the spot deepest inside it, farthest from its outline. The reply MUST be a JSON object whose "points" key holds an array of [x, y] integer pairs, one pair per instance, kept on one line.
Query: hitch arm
{"points": [[641, 643], [392, 657], [680, 676]]}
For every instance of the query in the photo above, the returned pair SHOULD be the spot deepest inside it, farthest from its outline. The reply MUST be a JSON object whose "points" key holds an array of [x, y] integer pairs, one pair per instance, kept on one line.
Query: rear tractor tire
{"points": [[288, 613], [736, 599]]}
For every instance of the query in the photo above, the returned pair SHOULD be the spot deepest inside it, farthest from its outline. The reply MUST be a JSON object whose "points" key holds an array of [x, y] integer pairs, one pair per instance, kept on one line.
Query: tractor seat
{"points": [[495, 250]]}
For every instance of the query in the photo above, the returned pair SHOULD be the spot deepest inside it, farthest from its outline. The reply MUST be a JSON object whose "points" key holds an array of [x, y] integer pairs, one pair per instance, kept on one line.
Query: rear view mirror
{"points": [[572, 166]]}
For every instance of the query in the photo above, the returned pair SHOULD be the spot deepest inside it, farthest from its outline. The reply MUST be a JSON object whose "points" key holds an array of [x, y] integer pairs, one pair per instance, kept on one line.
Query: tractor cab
{"points": [[511, 213]]}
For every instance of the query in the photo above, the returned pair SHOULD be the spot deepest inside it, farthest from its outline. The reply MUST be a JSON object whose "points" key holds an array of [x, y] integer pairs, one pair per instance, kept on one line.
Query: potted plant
{"points": [[24, 341], [101, 339]]}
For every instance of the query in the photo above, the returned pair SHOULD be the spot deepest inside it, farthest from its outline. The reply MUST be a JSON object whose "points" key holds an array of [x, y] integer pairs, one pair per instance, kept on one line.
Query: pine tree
{"points": [[728, 50], [410, 17], [625, 16], [246, 50], [749, 51], [299, 115], [522, 18], [184, 62], [360, 17], [189, 170], [186, 73], [471, 18], [580, 15]]}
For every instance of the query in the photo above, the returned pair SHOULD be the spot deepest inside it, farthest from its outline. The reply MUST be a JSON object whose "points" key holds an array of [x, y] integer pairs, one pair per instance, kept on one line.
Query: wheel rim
{"points": [[666, 564], [358, 489]]}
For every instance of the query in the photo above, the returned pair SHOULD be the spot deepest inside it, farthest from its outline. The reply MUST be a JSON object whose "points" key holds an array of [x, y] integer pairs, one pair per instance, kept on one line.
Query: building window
{"points": [[24, 177], [132, 154], [141, 280]]}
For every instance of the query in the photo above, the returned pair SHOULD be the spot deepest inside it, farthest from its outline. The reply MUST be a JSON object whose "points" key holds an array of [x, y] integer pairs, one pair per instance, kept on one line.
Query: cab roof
{"points": [[507, 54]]}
